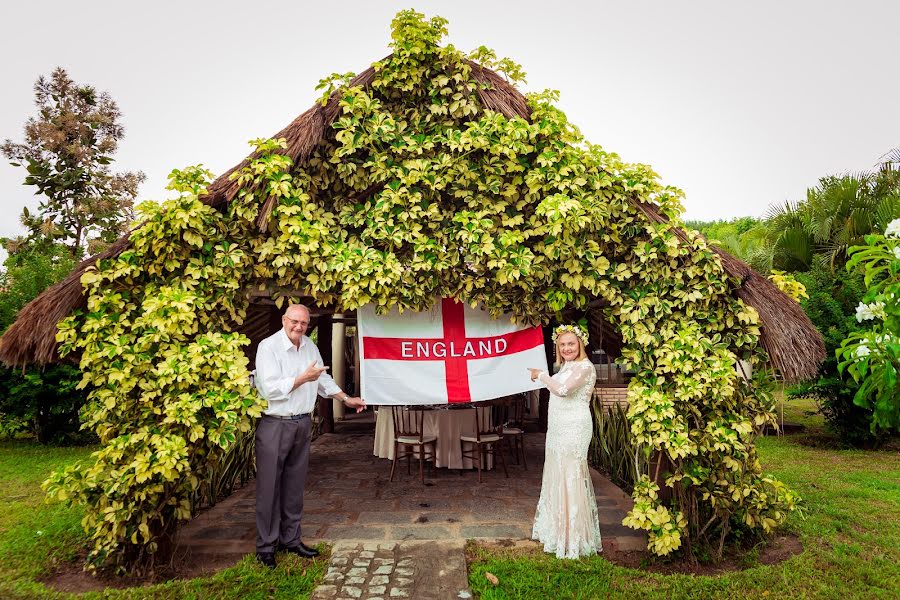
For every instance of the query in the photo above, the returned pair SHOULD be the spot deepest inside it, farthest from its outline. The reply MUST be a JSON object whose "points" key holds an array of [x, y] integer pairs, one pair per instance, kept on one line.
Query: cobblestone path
{"points": [[388, 570]]}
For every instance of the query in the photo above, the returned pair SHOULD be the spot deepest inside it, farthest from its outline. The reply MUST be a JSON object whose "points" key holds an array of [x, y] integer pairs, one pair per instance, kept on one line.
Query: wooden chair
{"points": [[514, 427], [410, 436], [487, 437]]}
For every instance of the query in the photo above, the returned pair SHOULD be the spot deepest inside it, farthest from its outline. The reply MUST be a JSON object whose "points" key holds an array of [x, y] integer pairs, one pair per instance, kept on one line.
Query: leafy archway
{"points": [[418, 189]]}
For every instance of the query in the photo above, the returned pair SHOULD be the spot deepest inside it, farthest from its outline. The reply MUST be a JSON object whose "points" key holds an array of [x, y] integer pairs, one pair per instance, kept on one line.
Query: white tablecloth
{"points": [[446, 425]]}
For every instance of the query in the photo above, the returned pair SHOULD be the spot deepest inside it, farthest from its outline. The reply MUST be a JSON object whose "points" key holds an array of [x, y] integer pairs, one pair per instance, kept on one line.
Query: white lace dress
{"points": [[566, 520]]}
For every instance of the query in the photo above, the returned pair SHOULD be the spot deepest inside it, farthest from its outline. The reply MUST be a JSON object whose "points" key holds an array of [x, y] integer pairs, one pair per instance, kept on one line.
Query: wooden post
{"points": [[326, 412], [338, 363], [357, 388]]}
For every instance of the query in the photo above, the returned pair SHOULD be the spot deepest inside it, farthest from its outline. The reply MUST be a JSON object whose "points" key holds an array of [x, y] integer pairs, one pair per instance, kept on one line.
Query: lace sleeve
{"points": [[565, 381]]}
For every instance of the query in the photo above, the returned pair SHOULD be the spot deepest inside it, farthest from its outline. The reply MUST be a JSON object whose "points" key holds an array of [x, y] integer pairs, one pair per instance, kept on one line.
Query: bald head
{"points": [[296, 322]]}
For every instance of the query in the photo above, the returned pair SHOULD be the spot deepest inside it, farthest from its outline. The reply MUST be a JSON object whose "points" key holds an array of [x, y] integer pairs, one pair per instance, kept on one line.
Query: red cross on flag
{"points": [[452, 353]]}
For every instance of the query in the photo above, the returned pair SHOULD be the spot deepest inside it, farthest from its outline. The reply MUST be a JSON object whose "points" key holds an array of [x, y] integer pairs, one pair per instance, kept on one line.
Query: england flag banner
{"points": [[452, 353]]}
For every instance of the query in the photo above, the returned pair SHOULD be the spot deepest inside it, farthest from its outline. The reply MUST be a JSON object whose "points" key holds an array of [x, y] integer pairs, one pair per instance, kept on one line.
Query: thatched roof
{"points": [[793, 343]]}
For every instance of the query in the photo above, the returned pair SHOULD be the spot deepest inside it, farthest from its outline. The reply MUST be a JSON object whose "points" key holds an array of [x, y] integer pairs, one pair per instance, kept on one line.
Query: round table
{"points": [[445, 424]]}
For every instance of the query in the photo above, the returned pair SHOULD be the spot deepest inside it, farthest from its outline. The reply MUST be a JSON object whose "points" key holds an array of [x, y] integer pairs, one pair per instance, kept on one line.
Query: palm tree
{"points": [[890, 160], [838, 213]]}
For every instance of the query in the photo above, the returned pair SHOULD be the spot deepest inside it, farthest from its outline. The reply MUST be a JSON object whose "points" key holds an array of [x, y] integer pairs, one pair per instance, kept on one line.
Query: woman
{"points": [[566, 520]]}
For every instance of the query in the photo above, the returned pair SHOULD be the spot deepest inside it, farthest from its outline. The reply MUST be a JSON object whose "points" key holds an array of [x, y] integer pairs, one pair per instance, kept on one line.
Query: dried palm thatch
{"points": [[32, 338], [793, 343]]}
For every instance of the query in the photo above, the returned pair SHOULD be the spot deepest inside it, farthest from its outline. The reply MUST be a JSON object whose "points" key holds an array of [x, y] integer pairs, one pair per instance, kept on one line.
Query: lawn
{"points": [[35, 538], [850, 535]]}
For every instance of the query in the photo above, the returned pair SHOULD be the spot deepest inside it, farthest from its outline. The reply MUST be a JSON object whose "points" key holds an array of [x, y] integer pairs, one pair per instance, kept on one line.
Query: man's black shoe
{"points": [[267, 559], [312, 551], [300, 550]]}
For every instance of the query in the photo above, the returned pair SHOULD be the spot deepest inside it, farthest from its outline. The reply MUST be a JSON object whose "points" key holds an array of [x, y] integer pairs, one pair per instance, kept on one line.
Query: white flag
{"points": [[451, 353]]}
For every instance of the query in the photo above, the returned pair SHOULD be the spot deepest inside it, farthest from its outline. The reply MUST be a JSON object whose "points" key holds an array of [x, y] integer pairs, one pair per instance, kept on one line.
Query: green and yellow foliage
{"points": [[417, 192], [168, 381], [788, 284]]}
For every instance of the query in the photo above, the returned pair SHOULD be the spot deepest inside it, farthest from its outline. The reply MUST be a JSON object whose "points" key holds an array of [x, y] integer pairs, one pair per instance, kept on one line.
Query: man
{"points": [[289, 375]]}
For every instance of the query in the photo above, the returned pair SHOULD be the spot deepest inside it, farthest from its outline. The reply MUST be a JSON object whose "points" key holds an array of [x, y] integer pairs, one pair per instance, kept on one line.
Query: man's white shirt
{"points": [[278, 362]]}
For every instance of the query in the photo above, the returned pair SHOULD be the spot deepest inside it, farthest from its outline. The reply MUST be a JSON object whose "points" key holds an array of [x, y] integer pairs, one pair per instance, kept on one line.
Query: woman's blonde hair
{"points": [[582, 353]]}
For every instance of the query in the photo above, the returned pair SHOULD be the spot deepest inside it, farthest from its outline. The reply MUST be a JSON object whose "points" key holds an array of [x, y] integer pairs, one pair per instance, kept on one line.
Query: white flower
{"points": [[893, 229], [897, 252], [865, 312], [862, 350]]}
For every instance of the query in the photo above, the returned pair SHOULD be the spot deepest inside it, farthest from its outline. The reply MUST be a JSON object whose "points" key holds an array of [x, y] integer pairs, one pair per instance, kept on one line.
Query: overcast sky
{"points": [[741, 105]]}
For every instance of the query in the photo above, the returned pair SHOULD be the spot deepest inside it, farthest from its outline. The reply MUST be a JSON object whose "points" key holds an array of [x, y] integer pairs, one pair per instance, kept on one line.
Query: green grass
{"points": [[36, 538], [850, 535], [800, 411]]}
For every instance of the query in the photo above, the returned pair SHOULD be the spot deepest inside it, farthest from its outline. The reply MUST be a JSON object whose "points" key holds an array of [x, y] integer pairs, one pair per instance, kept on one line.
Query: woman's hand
{"points": [[535, 373]]}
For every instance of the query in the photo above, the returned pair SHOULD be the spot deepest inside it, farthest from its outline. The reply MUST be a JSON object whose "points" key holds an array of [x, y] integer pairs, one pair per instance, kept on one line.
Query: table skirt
{"points": [[446, 425]]}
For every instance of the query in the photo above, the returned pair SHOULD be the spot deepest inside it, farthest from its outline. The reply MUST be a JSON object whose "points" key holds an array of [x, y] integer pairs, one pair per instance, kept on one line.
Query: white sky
{"points": [[739, 104]]}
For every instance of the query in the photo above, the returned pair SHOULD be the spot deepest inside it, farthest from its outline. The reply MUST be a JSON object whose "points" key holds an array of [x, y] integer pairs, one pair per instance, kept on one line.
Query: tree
{"points": [[67, 151], [838, 213], [26, 274], [743, 237]]}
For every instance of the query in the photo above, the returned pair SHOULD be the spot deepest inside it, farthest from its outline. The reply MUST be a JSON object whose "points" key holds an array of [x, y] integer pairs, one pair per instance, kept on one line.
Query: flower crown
{"points": [[576, 329]]}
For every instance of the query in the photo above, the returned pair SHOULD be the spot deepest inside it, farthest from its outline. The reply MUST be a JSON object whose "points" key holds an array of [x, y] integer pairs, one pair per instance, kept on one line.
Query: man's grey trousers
{"points": [[282, 460]]}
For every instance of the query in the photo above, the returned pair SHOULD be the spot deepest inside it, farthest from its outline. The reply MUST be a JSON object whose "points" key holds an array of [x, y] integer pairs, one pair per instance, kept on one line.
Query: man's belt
{"points": [[299, 417]]}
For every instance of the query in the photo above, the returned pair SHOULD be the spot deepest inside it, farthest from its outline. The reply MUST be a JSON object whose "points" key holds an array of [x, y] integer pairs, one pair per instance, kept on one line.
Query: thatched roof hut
{"points": [[794, 345]]}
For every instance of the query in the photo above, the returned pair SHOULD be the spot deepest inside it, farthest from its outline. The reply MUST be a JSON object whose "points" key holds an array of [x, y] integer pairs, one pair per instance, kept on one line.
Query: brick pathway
{"points": [[351, 504]]}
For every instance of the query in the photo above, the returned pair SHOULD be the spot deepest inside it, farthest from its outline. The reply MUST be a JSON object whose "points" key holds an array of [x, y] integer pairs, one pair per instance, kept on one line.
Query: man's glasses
{"points": [[295, 322]]}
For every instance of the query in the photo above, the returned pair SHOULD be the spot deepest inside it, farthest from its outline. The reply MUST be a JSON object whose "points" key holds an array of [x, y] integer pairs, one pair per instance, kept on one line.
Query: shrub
{"points": [[44, 402], [613, 448], [872, 354], [830, 306]]}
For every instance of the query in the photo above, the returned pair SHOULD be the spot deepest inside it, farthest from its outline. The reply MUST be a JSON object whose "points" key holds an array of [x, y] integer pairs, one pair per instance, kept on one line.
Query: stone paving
{"points": [[388, 570], [350, 504]]}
